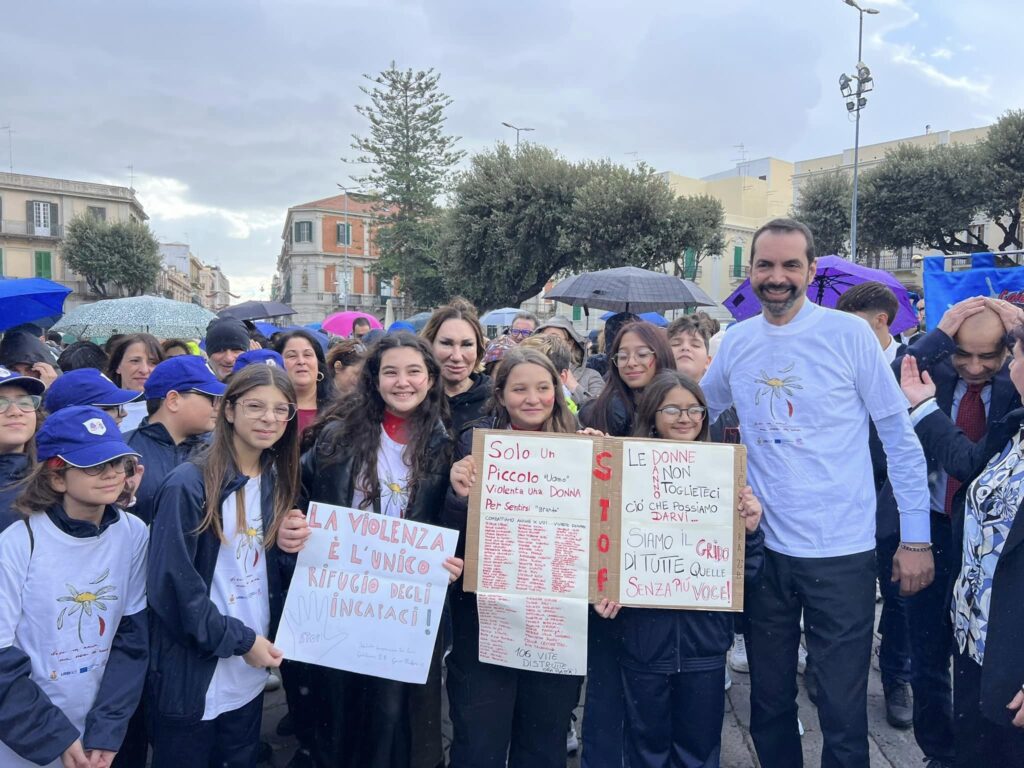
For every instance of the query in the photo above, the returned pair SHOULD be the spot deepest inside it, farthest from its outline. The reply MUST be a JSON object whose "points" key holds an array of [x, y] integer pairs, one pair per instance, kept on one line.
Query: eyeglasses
{"points": [[123, 465], [24, 403], [214, 399], [257, 409], [642, 356], [694, 412], [115, 411], [520, 333]]}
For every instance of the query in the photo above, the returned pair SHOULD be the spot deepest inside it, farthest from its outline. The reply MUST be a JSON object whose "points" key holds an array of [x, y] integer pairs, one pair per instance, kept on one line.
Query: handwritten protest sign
{"points": [[679, 528], [664, 532], [367, 594], [530, 563]]}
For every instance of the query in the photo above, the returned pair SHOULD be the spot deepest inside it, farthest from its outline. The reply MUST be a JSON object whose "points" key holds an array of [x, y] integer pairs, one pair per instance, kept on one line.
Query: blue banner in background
{"points": [[943, 289]]}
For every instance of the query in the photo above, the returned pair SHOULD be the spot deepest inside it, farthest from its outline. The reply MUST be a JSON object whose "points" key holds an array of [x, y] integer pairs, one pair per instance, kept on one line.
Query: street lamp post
{"points": [[518, 131], [855, 103], [347, 244]]}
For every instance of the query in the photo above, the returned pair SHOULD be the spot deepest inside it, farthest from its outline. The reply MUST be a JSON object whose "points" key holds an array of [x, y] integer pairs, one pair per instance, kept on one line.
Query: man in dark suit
{"points": [[877, 305], [966, 358]]}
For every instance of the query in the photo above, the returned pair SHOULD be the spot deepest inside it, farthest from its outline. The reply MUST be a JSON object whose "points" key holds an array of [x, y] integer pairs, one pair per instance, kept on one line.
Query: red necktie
{"points": [[970, 417]]}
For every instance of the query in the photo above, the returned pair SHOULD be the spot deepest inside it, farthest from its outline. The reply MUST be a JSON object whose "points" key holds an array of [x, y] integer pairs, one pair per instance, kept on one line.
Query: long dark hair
{"points": [[281, 461], [654, 395], [324, 376], [359, 418], [560, 420], [117, 354], [615, 388]]}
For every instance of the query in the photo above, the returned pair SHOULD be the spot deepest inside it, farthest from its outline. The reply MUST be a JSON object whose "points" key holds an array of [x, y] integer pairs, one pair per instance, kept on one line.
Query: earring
{"points": [[320, 376]]}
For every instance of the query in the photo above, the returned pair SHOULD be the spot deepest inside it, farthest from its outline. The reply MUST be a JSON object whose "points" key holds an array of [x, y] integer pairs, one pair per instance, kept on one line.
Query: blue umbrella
{"points": [[648, 317], [27, 299], [500, 317], [312, 326], [267, 329]]}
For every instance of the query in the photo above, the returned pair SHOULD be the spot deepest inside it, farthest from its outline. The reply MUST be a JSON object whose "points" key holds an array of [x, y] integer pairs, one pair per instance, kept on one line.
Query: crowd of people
{"points": [[153, 496]]}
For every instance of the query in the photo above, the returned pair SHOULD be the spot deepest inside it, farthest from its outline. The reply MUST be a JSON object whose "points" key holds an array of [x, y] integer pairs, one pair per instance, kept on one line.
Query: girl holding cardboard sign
{"points": [[383, 449], [498, 711], [672, 661]]}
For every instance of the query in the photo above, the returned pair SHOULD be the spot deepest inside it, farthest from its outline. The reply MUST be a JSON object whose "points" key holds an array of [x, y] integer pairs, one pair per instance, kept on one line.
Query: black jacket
{"points": [[188, 634], [14, 467], [160, 455], [933, 351], [329, 474], [618, 422], [469, 405], [663, 641], [1003, 671], [29, 722]]}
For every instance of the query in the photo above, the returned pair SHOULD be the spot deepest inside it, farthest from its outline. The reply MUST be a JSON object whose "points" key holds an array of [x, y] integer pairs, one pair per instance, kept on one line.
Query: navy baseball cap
{"points": [[86, 386], [183, 373], [82, 436], [258, 357], [30, 384]]}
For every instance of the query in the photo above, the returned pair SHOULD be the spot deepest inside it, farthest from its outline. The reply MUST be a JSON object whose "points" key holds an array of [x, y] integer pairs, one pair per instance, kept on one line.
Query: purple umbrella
{"points": [[833, 277]]}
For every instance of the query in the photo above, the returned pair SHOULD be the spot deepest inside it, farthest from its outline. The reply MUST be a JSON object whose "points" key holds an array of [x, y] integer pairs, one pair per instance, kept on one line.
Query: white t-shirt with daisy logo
{"points": [[61, 602], [240, 590], [393, 476]]}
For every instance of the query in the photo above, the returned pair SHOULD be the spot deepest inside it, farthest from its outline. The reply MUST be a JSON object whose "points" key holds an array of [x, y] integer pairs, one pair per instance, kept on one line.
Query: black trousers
{"points": [[674, 721], [837, 597], [604, 710], [501, 713], [894, 650], [229, 741], [302, 685], [931, 646], [980, 741]]}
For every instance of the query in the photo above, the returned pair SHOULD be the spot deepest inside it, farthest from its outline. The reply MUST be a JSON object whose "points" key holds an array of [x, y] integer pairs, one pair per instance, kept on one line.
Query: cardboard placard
{"points": [[664, 526], [367, 594]]}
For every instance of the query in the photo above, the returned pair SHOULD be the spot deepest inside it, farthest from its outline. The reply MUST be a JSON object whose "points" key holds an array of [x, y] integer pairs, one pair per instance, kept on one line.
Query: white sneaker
{"points": [[572, 742], [728, 678], [800, 726], [801, 659], [738, 657]]}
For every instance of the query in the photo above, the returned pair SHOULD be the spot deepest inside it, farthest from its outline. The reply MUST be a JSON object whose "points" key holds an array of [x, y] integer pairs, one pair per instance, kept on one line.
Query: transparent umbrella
{"points": [[161, 317]]}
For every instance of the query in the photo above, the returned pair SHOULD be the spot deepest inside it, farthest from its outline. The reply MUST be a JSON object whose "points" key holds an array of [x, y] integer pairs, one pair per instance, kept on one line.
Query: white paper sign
{"points": [[367, 594], [533, 569], [678, 524]]}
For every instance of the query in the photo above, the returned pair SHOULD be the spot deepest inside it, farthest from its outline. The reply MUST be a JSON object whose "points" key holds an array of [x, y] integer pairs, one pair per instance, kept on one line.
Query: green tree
{"points": [[1002, 162], [924, 197], [120, 258], [522, 216], [411, 159], [824, 206], [138, 255], [505, 234]]}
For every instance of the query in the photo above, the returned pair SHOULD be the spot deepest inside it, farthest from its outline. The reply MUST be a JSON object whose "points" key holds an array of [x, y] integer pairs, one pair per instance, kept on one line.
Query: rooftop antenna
{"points": [[635, 155], [10, 144], [131, 171]]}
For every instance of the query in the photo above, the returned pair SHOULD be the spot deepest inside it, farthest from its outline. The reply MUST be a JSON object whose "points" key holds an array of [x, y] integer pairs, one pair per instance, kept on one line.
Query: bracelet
{"points": [[921, 548]]}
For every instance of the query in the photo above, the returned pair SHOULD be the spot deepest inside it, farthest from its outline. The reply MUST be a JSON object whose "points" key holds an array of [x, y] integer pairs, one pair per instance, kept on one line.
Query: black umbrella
{"points": [[629, 289], [256, 310]]}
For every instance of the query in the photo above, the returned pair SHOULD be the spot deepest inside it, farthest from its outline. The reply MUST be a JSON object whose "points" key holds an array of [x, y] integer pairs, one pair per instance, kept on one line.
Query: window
{"points": [[44, 267], [737, 261], [303, 231], [577, 313], [330, 279], [98, 212], [42, 218], [344, 234], [689, 263]]}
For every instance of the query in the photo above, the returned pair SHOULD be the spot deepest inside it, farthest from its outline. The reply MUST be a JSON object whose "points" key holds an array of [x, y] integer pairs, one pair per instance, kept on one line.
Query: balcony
{"points": [[900, 261], [28, 229], [691, 272], [739, 271]]}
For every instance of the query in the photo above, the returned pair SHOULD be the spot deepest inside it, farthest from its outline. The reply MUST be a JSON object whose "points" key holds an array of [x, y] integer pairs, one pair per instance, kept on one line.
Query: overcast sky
{"points": [[231, 111]]}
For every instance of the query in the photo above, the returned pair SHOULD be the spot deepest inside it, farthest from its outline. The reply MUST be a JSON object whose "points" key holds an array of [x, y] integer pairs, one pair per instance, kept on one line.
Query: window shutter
{"points": [[1, 262], [737, 261], [53, 220], [30, 218], [330, 279]]}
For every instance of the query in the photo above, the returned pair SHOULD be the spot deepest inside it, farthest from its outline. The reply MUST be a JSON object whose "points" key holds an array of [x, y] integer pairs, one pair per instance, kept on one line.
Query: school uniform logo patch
{"points": [[95, 426]]}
